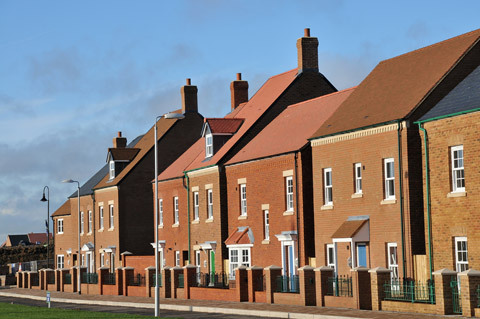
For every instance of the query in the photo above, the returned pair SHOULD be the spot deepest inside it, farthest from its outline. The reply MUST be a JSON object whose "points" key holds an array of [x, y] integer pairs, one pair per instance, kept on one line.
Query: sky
{"points": [[74, 73]]}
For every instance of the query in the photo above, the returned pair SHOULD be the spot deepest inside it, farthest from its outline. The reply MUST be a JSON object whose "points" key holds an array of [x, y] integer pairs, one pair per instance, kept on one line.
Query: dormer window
{"points": [[208, 145], [112, 169]]}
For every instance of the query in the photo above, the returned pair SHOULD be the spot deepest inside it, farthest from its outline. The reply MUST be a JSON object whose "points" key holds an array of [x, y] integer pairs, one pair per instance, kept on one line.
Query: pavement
{"points": [[201, 308]]}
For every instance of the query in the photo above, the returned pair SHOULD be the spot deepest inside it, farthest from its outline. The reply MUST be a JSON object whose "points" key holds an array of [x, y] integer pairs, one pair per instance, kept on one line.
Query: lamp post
{"points": [[79, 247], [47, 221], [157, 294]]}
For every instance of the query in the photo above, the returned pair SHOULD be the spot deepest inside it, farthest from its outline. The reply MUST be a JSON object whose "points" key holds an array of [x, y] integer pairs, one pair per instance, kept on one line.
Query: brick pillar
{"points": [[469, 281], [255, 280], [241, 282], [361, 287], [73, 272], [190, 279], [174, 272], [321, 283], [41, 279], [119, 280], [127, 276], [443, 292], [271, 274], [149, 272], [102, 273], [306, 277], [166, 282], [378, 277]]}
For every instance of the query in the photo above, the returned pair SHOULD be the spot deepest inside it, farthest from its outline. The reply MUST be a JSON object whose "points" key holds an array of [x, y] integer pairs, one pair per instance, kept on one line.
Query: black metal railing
{"points": [[68, 279], [215, 280], [340, 286], [89, 278], [410, 290], [160, 282], [137, 280], [109, 279], [288, 284]]}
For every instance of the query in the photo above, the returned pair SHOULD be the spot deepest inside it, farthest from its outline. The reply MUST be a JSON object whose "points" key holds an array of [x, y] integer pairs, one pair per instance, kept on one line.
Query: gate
{"points": [[457, 302]]}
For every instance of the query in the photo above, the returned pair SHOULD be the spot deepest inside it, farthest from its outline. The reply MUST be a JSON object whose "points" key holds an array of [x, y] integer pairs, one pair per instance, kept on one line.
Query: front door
{"points": [[90, 266], [361, 255]]}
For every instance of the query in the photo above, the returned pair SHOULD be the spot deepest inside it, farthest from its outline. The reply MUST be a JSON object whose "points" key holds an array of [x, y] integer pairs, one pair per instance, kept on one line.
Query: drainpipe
{"points": [[400, 171], [427, 182], [297, 208], [188, 212]]}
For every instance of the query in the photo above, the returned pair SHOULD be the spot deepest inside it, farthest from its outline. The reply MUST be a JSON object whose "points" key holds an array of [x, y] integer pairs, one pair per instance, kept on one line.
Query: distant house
{"points": [[38, 238], [24, 240]]}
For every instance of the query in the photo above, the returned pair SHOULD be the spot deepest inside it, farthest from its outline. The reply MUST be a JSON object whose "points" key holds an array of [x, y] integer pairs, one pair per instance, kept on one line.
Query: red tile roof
{"points": [[398, 85], [290, 130], [63, 210], [349, 228], [39, 238], [194, 157], [239, 237], [221, 125]]}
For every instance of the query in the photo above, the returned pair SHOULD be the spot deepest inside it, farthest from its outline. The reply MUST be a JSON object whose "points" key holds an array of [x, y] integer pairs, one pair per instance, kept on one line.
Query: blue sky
{"points": [[72, 74]]}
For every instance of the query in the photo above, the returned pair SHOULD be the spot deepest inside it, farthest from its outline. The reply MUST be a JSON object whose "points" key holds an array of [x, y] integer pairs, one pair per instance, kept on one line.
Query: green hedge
{"points": [[24, 253]]}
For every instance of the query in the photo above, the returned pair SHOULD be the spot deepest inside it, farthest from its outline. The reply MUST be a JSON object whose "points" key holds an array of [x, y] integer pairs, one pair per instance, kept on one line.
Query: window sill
{"points": [[326, 207], [89, 233], [196, 221], [288, 213], [110, 229], [242, 217], [457, 194], [265, 241], [60, 233], [210, 220], [81, 234], [100, 230], [388, 201], [357, 195], [160, 226], [175, 225]]}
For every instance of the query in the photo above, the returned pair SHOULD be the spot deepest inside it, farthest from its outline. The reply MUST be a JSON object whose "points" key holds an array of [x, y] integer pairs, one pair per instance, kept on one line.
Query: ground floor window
{"points": [[238, 256], [60, 261], [177, 258], [331, 256], [461, 254], [102, 259], [392, 260]]}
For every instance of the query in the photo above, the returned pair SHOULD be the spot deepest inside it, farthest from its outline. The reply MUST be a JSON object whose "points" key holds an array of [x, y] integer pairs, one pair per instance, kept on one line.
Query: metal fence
{"points": [[68, 279], [89, 278], [137, 280], [160, 282], [288, 284], [109, 279], [215, 280], [340, 286], [456, 297], [410, 290]]}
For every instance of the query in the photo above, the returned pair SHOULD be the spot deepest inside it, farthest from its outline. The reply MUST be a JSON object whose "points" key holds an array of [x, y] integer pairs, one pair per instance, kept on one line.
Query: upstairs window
{"points": [[160, 212], [111, 215], [289, 192], [175, 210], [266, 224], [90, 221], [195, 206], [81, 223], [209, 204], [101, 217], [112, 169], [243, 199], [208, 145], [59, 226], [458, 172], [358, 178], [389, 173], [327, 186]]}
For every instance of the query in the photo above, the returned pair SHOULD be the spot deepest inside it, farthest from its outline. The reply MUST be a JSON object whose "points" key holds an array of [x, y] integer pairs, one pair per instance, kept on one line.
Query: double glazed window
{"points": [[289, 192], [208, 145], [358, 178], [461, 254], [389, 173], [59, 226], [177, 258], [60, 261], [112, 169], [266, 224], [90, 221], [160, 212], [101, 217], [243, 199], [195, 206], [327, 186], [458, 173], [81, 222], [175, 210], [110, 208], [331, 256], [238, 257], [209, 204]]}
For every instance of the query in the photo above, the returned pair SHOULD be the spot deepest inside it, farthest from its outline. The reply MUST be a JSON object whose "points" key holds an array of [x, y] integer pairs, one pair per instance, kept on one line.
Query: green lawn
{"points": [[19, 312]]}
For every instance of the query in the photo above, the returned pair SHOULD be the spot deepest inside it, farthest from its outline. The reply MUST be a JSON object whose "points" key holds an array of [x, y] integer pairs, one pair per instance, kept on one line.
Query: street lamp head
{"points": [[68, 181], [173, 115], [43, 198]]}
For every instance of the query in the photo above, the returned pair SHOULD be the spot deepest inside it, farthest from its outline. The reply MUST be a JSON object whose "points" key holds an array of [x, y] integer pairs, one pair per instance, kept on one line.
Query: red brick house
{"points": [[115, 204], [451, 189], [368, 202], [269, 190], [193, 190]]}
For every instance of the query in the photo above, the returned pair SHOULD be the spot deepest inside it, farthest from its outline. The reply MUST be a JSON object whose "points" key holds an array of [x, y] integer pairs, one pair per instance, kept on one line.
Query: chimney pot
{"points": [[189, 81], [239, 91], [307, 32], [239, 76], [119, 134]]}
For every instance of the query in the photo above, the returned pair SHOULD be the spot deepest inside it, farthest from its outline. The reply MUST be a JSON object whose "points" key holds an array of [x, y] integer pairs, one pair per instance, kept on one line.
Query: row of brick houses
{"points": [[299, 175]]}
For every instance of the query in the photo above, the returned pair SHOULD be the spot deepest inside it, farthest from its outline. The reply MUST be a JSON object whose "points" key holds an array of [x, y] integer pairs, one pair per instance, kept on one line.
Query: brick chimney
{"points": [[189, 97], [239, 91], [307, 50], [119, 141]]}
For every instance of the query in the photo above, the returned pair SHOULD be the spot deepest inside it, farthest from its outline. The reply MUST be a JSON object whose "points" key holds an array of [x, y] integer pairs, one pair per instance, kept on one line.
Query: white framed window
{"points": [[389, 173], [358, 178], [60, 261], [327, 186], [209, 204], [110, 208], [393, 260], [331, 256], [458, 172], [90, 221], [289, 192], [81, 222], [238, 256], [461, 254], [112, 169], [102, 259], [175, 210], [60, 226], [243, 199], [177, 258], [208, 145], [83, 260], [266, 224], [160, 212], [196, 207], [101, 216]]}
